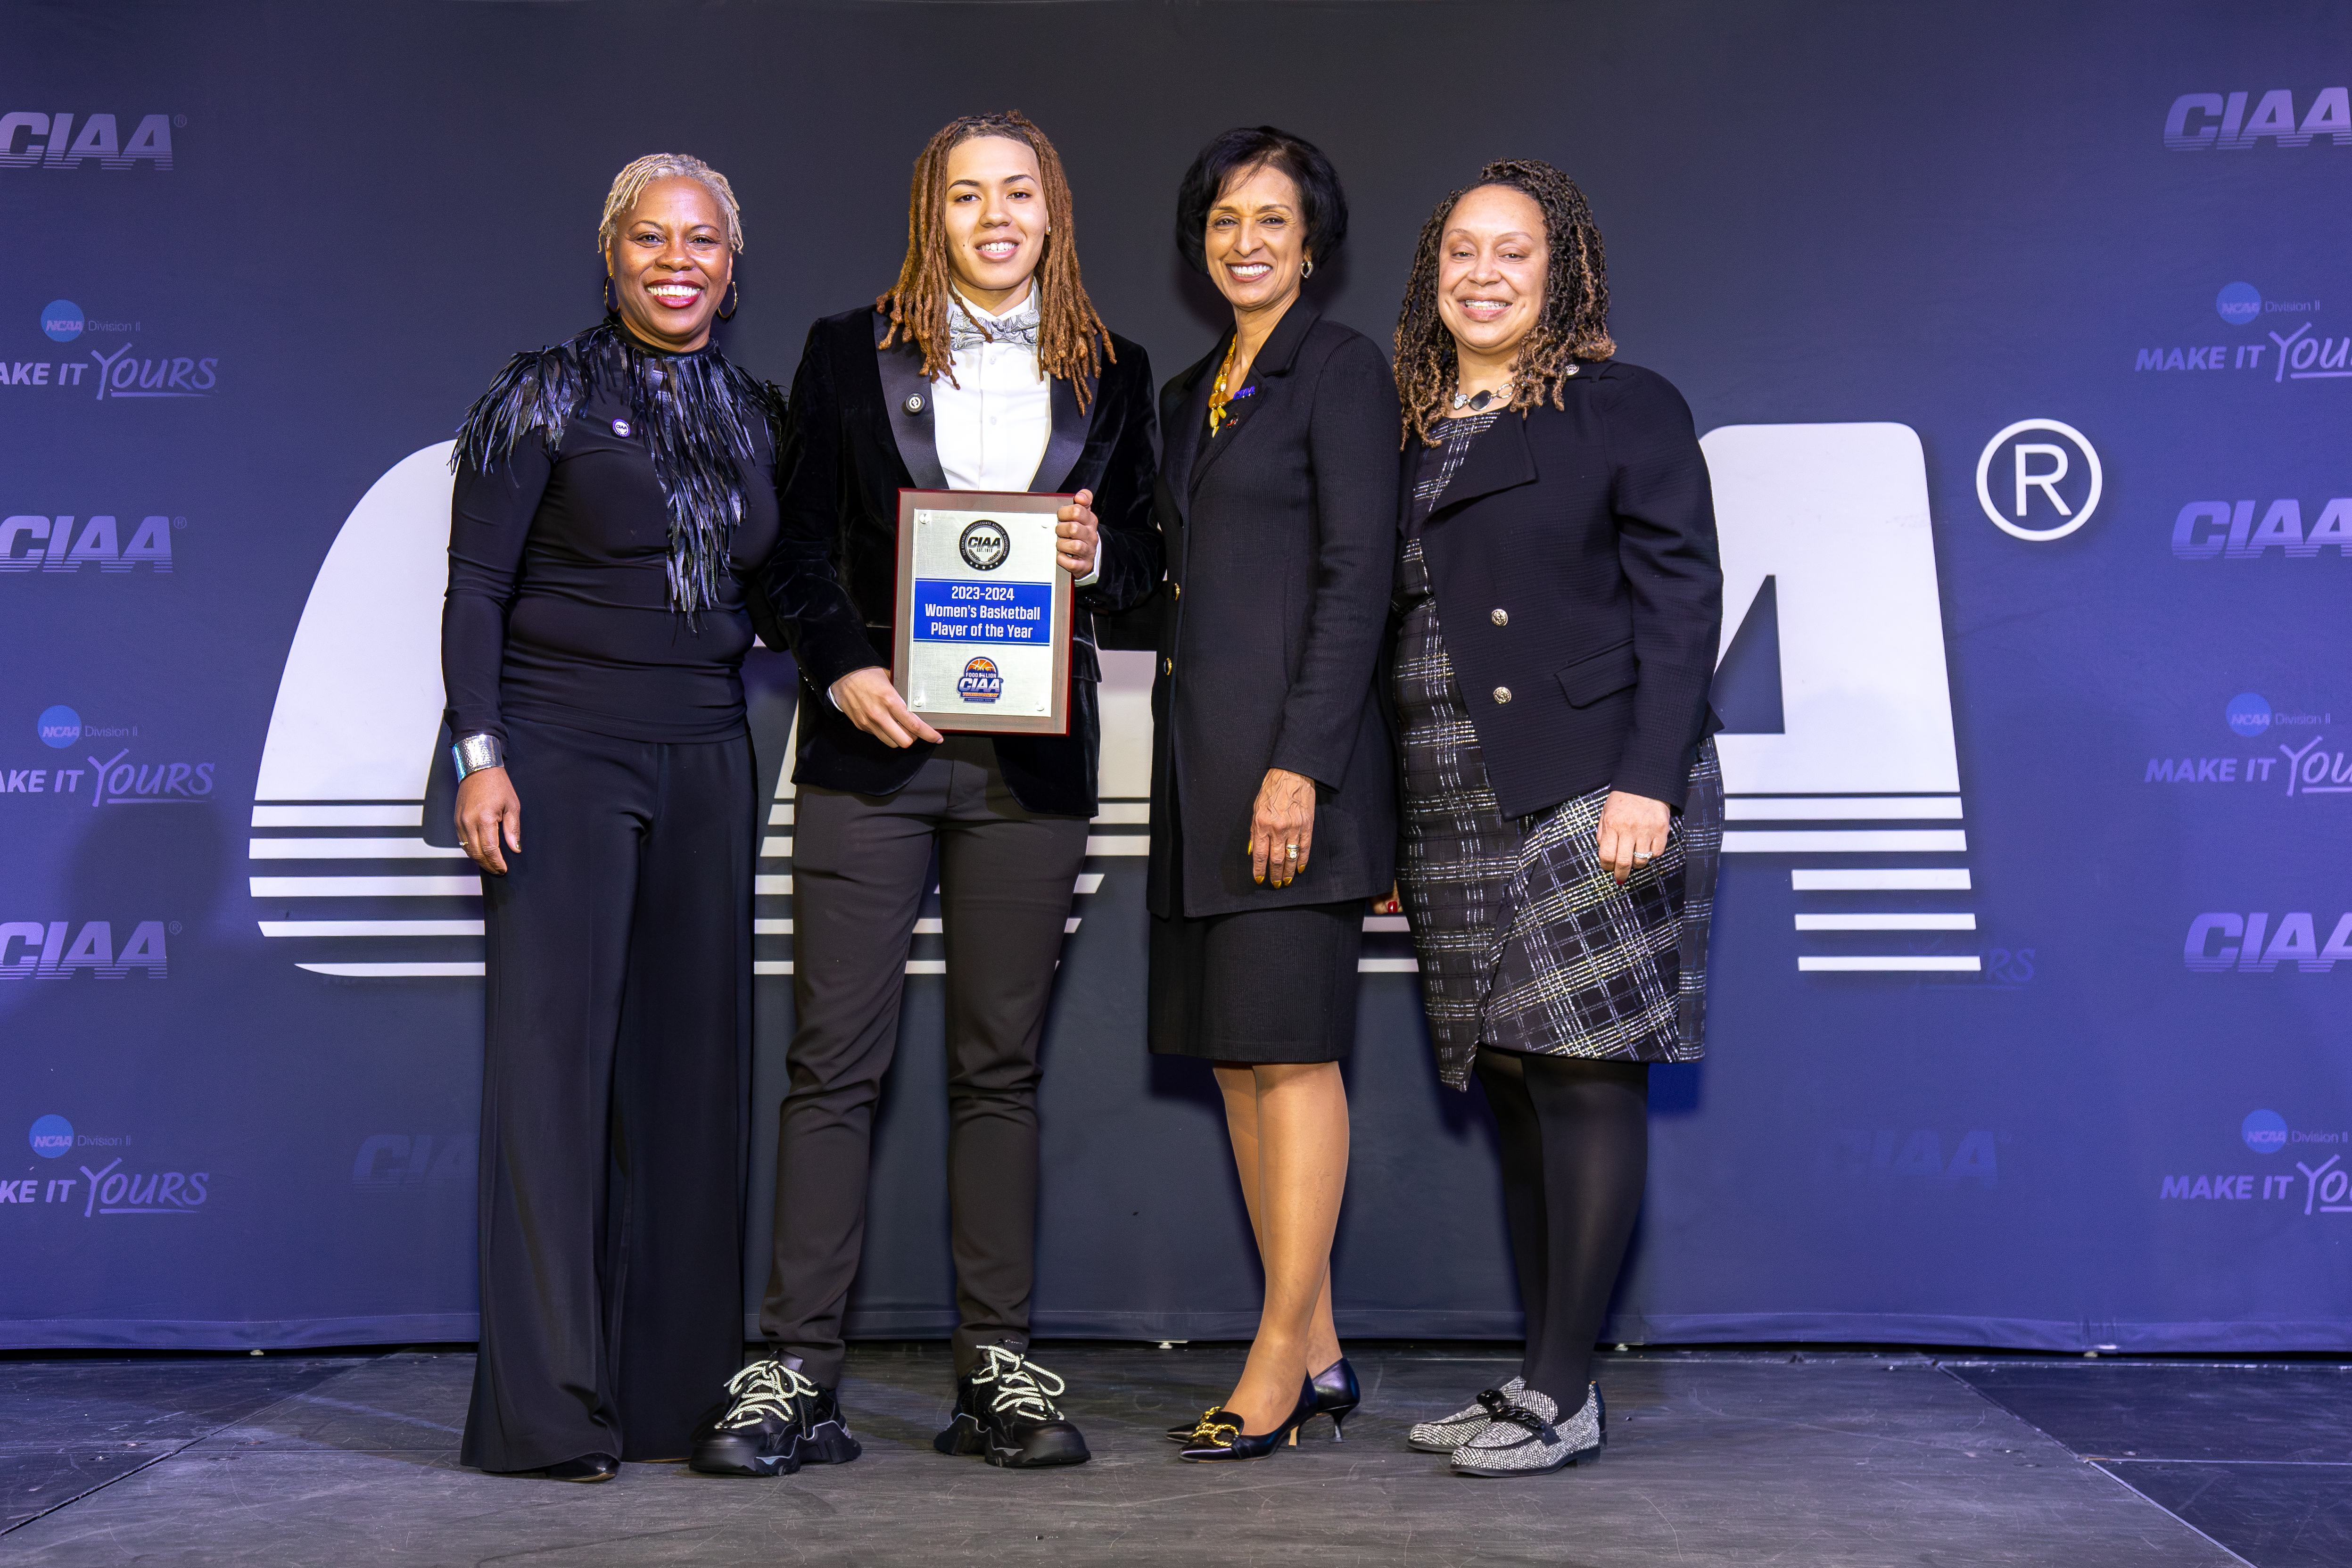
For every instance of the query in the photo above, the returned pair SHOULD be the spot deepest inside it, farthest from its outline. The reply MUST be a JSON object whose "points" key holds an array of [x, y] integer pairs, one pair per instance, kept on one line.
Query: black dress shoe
{"points": [[586, 1467], [1336, 1393], [1182, 1431], [1005, 1413], [1224, 1439], [778, 1422]]}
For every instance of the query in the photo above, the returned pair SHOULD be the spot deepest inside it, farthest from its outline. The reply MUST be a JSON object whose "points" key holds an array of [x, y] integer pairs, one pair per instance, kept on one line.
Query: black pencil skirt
{"points": [[1258, 986]]}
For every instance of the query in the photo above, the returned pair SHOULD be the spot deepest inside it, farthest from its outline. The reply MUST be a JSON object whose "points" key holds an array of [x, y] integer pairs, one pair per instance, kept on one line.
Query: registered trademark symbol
{"points": [[179, 523], [180, 121], [171, 926], [2031, 479]]}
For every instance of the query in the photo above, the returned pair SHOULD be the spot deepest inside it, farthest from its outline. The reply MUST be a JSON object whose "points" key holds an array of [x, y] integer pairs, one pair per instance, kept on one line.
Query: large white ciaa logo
{"points": [[1840, 754], [348, 874]]}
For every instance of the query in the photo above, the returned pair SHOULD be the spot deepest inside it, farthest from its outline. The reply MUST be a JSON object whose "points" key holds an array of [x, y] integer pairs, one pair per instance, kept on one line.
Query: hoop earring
{"points": [[729, 314], [604, 296], [1306, 269]]}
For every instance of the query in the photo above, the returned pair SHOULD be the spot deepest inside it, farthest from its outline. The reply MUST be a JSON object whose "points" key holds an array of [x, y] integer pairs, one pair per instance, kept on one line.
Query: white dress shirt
{"points": [[992, 422]]}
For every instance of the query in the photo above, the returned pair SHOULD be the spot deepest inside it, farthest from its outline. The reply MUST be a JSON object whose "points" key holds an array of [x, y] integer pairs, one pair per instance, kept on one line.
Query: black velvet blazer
{"points": [[1574, 561], [1279, 531], [859, 431]]}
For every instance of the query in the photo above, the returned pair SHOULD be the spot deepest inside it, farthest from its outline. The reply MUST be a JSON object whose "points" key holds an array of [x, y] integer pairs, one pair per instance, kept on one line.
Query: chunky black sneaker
{"points": [[1005, 1413], [778, 1422]]}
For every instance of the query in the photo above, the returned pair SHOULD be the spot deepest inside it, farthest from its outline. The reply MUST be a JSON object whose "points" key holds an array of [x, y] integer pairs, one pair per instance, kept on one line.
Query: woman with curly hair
{"points": [[613, 493], [1559, 599]]}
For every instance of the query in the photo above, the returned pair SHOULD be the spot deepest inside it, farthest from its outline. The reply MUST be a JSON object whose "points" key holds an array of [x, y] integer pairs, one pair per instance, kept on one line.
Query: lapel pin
{"points": [[621, 428], [914, 404]]}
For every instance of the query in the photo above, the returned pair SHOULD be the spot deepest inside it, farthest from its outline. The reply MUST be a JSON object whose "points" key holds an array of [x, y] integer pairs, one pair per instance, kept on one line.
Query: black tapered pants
{"points": [[860, 864], [614, 1083]]}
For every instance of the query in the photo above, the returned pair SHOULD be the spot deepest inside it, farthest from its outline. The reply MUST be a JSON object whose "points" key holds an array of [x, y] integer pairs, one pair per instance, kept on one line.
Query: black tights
{"points": [[1576, 1149]]}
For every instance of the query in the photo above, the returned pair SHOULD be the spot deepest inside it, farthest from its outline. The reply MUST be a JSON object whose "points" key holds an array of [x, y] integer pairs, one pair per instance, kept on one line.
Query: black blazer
{"points": [[1574, 563], [852, 442], [1278, 534]]}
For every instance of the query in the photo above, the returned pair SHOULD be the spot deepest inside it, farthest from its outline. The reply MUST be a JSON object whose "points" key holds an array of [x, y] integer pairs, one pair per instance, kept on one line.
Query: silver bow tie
{"points": [[963, 332]]}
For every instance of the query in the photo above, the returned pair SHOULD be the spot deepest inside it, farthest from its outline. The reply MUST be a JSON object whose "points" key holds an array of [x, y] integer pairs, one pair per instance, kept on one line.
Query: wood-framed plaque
{"points": [[982, 640]]}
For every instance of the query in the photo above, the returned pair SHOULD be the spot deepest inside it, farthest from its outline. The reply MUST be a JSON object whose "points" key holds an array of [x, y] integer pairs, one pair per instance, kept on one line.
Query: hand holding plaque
{"points": [[982, 638]]}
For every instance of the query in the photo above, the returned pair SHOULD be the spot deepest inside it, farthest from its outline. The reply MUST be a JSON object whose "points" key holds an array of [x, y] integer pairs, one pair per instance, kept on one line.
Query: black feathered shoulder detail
{"points": [[539, 390], [698, 415]]}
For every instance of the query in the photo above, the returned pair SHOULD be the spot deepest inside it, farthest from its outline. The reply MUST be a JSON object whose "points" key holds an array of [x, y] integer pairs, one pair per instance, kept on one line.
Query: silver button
{"points": [[914, 404], [1502, 694], [1501, 617]]}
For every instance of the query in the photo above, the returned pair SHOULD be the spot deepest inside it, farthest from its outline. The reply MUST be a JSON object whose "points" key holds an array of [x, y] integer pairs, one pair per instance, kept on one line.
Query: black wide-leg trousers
{"points": [[860, 866], [613, 1099]]}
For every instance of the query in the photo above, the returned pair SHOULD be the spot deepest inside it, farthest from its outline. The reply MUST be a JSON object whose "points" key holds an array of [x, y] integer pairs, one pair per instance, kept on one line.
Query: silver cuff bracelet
{"points": [[478, 751]]}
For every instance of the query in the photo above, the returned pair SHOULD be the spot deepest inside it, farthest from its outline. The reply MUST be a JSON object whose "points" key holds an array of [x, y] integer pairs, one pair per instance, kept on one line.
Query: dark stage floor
{"points": [[1714, 1457]]}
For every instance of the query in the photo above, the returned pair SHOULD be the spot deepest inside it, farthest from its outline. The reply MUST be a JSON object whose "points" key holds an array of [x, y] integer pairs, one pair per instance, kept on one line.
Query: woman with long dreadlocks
{"points": [[983, 367], [1559, 599], [613, 495]]}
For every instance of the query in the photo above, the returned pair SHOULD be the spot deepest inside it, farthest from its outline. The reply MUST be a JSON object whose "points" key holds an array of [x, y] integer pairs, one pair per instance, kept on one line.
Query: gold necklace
{"points": [[1218, 395]]}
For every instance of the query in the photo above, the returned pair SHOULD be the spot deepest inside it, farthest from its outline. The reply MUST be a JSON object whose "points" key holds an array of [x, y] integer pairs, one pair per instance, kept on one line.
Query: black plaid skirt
{"points": [[1526, 942]]}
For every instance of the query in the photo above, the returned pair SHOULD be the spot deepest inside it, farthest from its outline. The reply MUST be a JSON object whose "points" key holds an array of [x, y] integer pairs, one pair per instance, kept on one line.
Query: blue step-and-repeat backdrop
{"points": [[2019, 336]]}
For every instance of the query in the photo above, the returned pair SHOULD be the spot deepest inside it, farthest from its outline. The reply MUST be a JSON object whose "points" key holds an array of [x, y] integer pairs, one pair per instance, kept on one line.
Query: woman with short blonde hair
{"points": [[615, 493]]}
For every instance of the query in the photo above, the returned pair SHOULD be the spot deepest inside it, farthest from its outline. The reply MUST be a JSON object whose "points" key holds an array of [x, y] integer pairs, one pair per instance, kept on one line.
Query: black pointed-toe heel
{"points": [[1219, 1435], [1182, 1431], [1336, 1393]]}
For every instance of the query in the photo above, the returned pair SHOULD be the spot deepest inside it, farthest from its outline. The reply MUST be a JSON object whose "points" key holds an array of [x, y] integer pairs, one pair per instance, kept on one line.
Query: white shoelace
{"points": [[1023, 1387], [763, 1389]]}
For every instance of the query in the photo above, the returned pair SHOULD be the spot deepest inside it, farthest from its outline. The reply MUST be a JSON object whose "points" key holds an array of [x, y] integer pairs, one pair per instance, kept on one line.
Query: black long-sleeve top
{"points": [[558, 607]]}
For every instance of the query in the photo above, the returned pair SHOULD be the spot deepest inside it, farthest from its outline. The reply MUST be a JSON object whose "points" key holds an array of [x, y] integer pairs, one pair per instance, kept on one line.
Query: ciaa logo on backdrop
{"points": [[2218, 122], [60, 543], [368, 894], [1844, 765], [2228, 530], [30, 139]]}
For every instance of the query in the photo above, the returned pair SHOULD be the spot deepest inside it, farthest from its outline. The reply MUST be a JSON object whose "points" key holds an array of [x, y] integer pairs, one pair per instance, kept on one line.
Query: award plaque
{"points": [[983, 641]]}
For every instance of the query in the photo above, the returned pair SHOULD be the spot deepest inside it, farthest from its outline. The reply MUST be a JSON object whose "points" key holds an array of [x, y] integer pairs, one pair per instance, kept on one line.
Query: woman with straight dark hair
{"points": [[1273, 815], [614, 494], [1560, 600]]}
